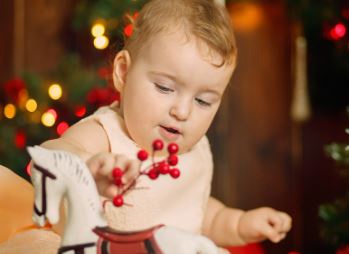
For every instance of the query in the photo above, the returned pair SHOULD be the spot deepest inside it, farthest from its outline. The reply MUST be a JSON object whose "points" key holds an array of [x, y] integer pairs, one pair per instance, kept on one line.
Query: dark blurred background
{"points": [[287, 99]]}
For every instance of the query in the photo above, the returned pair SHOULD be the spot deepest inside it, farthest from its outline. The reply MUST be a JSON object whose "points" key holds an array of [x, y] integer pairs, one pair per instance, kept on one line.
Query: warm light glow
{"points": [[246, 16], [48, 119], [62, 127], [10, 111], [97, 30], [55, 91], [101, 42], [31, 105]]}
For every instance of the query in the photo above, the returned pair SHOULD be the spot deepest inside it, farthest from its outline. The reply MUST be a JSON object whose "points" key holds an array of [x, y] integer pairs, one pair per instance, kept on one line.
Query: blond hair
{"points": [[203, 19]]}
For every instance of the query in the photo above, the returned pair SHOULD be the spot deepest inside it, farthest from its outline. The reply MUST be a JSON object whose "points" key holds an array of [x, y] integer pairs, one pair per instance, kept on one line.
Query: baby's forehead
{"points": [[180, 37]]}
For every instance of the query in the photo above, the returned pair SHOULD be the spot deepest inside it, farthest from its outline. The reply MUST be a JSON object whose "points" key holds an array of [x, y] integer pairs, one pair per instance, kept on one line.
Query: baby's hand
{"points": [[101, 166], [264, 223]]}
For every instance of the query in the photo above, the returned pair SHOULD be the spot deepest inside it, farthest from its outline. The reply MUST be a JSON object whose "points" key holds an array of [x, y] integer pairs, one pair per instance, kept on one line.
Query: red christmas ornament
{"points": [[13, 88], [102, 96], [20, 139], [128, 30]]}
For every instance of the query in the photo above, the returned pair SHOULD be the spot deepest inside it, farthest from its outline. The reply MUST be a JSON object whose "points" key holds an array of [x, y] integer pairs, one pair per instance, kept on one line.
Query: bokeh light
{"points": [[97, 30], [80, 111], [62, 127], [55, 91], [31, 105], [48, 118], [10, 111], [101, 42]]}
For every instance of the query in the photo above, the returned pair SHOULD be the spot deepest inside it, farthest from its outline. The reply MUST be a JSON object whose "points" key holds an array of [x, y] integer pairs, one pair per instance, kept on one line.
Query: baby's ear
{"points": [[122, 64]]}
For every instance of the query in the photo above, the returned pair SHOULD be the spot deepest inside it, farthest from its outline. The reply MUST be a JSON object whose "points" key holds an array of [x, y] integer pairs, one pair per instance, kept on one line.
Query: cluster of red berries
{"points": [[156, 169]]}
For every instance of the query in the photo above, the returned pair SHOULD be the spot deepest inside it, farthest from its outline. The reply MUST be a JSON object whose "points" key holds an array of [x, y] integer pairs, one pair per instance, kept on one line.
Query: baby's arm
{"points": [[221, 223], [227, 226]]}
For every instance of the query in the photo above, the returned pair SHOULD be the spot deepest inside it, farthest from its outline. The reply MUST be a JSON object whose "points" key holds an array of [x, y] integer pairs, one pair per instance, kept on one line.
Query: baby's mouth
{"points": [[171, 130]]}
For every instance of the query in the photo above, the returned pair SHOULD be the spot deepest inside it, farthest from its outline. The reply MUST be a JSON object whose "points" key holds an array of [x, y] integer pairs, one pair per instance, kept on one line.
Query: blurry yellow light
{"points": [[10, 111], [48, 119], [55, 91], [97, 30], [101, 42], [31, 105]]}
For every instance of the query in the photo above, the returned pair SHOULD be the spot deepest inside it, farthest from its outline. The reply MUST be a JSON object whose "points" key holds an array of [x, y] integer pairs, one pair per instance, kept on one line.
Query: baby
{"points": [[171, 74]]}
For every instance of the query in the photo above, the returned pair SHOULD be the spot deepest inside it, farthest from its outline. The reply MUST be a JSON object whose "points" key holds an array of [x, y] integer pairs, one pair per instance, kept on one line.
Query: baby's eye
{"points": [[202, 102], [163, 89]]}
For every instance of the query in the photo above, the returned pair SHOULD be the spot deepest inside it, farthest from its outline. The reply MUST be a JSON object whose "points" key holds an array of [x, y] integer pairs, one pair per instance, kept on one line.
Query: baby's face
{"points": [[172, 91]]}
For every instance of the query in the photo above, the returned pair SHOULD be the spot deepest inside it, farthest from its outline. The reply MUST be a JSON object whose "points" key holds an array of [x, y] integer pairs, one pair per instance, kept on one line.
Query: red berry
{"points": [[153, 174], [164, 168], [172, 160], [158, 145], [118, 200], [117, 173], [142, 155], [118, 182], [175, 173], [172, 148]]}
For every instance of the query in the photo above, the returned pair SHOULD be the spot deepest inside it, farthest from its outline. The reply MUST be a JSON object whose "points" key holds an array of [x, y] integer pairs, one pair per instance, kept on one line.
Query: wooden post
{"points": [[18, 36]]}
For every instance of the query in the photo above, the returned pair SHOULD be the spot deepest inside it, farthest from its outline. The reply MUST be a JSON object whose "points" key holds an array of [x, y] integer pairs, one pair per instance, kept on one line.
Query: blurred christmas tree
{"points": [[335, 216], [325, 26], [37, 108]]}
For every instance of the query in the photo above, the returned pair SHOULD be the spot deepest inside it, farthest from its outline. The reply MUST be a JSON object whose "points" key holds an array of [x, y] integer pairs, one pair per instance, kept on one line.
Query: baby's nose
{"points": [[181, 110]]}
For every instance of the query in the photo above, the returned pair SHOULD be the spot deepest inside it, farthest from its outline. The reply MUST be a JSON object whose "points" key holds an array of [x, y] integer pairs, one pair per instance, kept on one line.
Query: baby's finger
{"points": [[132, 170], [99, 163], [107, 165], [276, 222], [282, 236], [270, 233], [286, 222], [111, 191]]}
